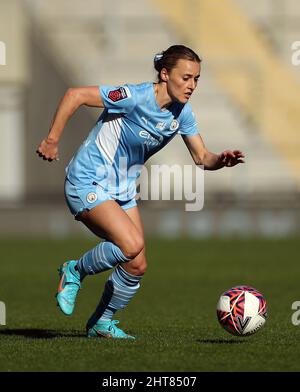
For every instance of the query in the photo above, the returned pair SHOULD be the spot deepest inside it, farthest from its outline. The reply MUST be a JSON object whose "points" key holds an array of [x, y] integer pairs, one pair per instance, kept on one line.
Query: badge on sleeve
{"points": [[118, 94]]}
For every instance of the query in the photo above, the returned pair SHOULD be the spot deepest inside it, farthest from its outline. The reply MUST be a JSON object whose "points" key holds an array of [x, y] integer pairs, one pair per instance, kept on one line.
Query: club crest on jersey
{"points": [[118, 94], [174, 125], [91, 197]]}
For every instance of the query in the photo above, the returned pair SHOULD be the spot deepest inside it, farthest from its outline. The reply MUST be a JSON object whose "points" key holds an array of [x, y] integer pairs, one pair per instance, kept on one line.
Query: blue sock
{"points": [[104, 256], [119, 289]]}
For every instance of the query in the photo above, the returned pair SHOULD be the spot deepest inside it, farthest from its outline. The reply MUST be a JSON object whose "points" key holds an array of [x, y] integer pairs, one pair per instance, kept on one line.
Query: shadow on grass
{"points": [[220, 341], [42, 333]]}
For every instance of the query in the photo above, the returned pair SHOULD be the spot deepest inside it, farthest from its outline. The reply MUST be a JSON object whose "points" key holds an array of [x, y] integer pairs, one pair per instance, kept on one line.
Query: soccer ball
{"points": [[242, 310]]}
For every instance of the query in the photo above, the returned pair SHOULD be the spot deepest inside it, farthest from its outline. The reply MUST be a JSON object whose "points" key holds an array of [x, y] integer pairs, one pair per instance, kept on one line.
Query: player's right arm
{"points": [[72, 100]]}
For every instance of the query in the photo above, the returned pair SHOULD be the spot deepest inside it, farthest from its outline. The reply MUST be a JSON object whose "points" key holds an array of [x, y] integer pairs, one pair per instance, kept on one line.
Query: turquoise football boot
{"points": [[69, 284], [107, 329]]}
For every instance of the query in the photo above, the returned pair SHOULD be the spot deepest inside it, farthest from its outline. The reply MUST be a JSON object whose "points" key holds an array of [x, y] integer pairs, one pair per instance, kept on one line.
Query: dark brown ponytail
{"points": [[168, 58]]}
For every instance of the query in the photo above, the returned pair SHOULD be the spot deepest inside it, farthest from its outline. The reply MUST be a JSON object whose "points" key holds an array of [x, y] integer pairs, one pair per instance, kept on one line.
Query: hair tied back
{"points": [[157, 57]]}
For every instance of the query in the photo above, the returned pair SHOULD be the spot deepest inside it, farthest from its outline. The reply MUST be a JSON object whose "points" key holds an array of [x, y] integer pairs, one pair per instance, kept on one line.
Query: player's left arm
{"points": [[209, 160]]}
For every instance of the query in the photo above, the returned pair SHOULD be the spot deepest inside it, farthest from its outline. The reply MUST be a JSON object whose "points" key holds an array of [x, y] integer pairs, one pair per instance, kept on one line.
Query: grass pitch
{"points": [[173, 315]]}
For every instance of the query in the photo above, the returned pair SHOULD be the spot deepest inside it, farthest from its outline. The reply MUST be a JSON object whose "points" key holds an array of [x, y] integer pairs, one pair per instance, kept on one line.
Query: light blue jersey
{"points": [[129, 131]]}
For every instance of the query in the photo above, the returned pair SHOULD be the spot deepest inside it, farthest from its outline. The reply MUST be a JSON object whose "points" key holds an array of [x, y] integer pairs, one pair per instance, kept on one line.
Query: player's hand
{"points": [[230, 158], [48, 150]]}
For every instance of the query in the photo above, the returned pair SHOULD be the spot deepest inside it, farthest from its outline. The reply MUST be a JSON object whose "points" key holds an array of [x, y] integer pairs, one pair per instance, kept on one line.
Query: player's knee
{"points": [[137, 267], [133, 247], [140, 268]]}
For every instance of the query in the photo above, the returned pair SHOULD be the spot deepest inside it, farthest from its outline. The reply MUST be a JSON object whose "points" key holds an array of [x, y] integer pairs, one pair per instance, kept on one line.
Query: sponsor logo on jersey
{"points": [[149, 139], [91, 197], [118, 94], [174, 125]]}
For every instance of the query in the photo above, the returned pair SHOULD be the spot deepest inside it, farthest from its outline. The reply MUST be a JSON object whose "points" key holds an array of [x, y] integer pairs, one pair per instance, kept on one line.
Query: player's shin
{"points": [[119, 290], [103, 257]]}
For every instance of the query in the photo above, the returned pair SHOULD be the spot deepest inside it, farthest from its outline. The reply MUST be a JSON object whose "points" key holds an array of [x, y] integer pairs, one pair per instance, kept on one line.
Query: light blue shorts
{"points": [[88, 197]]}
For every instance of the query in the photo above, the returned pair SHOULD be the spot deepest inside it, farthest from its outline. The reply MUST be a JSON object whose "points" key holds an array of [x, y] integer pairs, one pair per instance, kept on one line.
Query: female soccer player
{"points": [[137, 121]]}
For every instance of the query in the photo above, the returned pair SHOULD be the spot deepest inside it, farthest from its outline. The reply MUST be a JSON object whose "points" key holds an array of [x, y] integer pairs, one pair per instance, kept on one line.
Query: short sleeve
{"points": [[119, 99], [188, 124]]}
